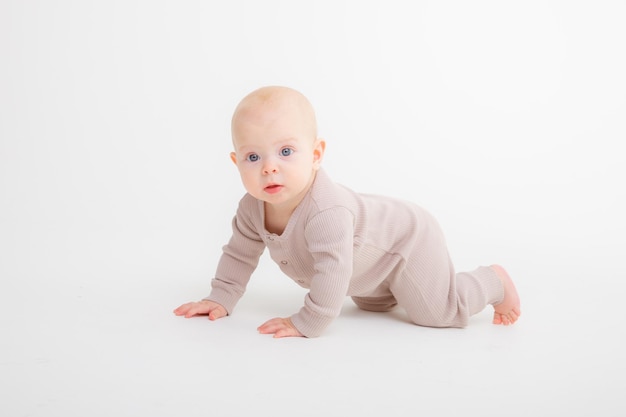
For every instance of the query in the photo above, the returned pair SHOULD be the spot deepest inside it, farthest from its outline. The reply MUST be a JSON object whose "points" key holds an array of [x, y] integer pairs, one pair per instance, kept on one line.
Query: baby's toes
{"points": [[497, 318]]}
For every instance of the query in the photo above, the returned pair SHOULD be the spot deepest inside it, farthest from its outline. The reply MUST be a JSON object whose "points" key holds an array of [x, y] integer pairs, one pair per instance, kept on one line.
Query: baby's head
{"points": [[268, 105], [277, 151]]}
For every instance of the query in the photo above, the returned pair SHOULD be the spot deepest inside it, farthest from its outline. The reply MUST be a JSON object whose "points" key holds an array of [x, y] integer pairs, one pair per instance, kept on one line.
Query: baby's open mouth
{"points": [[272, 188]]}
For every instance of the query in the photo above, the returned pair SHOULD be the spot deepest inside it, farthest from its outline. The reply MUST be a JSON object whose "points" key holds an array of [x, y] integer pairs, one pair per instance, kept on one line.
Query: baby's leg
{"points": [[436, 296], [430, 290], [508, 310]]}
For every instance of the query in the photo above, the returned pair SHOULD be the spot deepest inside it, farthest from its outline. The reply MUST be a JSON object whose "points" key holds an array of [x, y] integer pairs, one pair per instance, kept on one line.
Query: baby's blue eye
{"points": [[286, 151], [253, 157]]}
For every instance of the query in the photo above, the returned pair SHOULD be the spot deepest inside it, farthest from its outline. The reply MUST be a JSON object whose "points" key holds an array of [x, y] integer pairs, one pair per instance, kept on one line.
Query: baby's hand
{"points": [[213, 309], [279, 327]]}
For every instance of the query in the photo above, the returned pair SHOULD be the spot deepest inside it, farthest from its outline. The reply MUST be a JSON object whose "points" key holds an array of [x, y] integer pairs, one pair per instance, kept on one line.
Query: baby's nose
{"points": [[270, 168]]}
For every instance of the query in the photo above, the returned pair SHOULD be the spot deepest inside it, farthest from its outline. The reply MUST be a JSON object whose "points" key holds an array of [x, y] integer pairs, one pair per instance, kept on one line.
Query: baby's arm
{"points": [[330, 242], [205, 307], [239, 259]]}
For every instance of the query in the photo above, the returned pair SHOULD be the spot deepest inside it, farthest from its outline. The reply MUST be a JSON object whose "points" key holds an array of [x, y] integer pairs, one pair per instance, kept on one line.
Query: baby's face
{"points": [[276, 152]]}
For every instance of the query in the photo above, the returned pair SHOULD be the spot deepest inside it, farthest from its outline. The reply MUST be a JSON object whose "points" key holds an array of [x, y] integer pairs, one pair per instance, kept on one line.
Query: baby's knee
{"points": [[377, 304]]}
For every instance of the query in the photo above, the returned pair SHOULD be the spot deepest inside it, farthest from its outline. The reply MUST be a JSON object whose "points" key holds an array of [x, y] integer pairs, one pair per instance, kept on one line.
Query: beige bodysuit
{"points": [[380, 251]]}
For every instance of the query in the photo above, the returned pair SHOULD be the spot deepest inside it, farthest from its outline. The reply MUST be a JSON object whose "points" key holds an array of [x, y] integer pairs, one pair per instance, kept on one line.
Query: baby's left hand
{"points": [[279, 327]]}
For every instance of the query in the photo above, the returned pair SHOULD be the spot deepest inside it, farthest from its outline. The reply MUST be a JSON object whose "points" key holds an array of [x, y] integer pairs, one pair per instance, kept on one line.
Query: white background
{"points": [[507, 120]]}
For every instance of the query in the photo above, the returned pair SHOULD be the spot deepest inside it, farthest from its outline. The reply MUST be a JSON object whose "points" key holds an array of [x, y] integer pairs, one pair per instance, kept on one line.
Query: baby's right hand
{"points": [[214, 310]]}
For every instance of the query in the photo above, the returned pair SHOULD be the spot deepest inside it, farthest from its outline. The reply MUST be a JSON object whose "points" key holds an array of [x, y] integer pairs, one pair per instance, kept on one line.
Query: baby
{"points": [[382, 252]]}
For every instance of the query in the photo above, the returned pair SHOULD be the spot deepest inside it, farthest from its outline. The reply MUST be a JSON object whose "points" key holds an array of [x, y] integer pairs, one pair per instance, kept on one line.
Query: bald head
{"points": [[267, 104]]}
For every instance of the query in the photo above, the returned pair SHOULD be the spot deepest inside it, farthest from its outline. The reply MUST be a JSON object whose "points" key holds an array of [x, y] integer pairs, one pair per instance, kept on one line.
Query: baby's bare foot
{"points": [[508, 311]]}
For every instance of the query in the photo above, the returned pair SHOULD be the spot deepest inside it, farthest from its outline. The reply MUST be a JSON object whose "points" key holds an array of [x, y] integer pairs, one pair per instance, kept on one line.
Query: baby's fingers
{"points": [[279, 327], [217, 313], [192, 309], [183, 309], [270, 326]]}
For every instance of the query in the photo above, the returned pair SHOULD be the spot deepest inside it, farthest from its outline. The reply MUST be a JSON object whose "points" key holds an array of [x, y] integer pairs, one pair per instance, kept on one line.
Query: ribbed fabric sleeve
{"points": [[330, 242], [239, 259]]}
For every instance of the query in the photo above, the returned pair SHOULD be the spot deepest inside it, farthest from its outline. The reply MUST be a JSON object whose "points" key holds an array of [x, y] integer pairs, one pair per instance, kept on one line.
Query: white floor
{"points": [[505, 119], [78, 343]]}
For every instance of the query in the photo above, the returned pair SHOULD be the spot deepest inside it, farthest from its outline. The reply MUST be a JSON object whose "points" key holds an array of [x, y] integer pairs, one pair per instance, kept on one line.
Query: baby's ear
{"points": [[233, 157], [318, 152]]}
